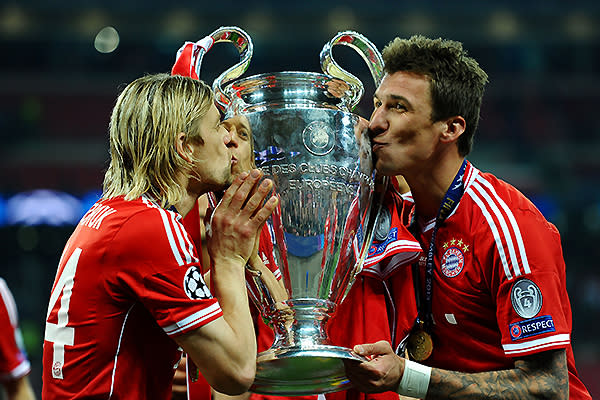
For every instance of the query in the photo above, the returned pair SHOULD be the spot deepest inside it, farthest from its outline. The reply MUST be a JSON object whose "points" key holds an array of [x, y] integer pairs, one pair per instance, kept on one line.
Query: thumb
{"points": [[370, 349]]}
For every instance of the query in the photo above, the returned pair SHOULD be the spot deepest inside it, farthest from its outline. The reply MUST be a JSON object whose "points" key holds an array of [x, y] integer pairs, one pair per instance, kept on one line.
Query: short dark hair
{"points": [[457, 81]]}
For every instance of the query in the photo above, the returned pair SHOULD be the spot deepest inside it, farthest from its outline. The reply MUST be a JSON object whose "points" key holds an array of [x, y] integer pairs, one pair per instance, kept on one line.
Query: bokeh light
{"points": [[107, 40]]}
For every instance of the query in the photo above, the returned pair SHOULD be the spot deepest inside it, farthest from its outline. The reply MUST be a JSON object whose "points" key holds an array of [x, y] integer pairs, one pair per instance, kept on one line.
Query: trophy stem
{"points": [[302, 323], [301, 360]]}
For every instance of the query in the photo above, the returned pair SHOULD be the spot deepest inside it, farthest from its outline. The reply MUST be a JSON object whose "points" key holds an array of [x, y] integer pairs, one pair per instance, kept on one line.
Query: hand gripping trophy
{"points": [[307, 141]]}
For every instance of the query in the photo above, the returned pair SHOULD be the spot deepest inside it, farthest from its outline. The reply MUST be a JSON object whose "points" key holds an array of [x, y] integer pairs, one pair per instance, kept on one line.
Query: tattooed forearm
{"points": [[541, 376]]}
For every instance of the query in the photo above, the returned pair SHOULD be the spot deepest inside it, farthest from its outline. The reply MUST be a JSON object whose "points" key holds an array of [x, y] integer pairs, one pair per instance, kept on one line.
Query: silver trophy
{"points": [[307, 141]]}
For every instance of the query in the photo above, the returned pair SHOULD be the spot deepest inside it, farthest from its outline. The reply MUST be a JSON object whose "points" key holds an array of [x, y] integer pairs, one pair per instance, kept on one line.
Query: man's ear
{"points": [[183, 148], [453, 127]]}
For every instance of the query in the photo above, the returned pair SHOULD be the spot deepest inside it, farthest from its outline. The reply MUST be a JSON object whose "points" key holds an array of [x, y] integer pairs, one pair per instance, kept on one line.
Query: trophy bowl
{"points": [[305, 140], [309, 143]]}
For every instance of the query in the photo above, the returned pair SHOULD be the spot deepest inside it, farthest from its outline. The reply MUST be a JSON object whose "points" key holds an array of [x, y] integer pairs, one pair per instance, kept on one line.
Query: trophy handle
{"points": [[366, 49], [242, 42]]}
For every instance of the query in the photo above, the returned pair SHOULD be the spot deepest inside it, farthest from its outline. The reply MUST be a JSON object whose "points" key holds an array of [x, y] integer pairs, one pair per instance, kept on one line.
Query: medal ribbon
{"points": [[451, 199]]}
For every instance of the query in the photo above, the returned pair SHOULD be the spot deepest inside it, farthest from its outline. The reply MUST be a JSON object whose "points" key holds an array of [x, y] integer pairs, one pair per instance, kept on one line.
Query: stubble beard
{"points": [[384, 168], [219, 183], [226, 180]]}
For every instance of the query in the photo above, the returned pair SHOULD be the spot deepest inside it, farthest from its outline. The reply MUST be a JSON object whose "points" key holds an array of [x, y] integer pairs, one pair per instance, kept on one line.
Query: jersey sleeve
{"points": [[165, 272], [391, 237], [533, 309], [14, 363]]}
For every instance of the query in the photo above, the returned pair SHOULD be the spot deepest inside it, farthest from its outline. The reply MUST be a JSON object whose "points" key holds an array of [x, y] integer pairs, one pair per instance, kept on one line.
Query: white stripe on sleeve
{"points": [[197, 318], [513, 223], [537, 344], [492, 225], [169, 232], [502, 221]]}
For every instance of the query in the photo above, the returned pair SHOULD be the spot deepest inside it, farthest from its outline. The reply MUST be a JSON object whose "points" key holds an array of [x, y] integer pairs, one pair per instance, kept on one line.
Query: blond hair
{"points": [[144, 124]]}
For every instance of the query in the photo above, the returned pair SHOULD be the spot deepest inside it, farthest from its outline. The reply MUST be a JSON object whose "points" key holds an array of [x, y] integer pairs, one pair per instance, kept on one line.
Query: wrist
{"points": [[230, 263], [415, 380], [254, 260]]}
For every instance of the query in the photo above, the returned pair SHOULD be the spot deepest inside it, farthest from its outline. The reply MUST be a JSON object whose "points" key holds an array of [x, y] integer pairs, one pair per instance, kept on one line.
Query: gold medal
{"points": [[419, 345]]}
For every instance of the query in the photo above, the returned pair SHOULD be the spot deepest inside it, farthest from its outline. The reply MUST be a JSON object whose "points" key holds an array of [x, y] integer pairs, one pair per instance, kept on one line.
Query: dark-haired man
{"points": [[494, 318]]}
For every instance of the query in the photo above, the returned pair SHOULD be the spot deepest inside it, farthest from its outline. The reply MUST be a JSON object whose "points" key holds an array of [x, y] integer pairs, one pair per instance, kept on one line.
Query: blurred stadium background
{"points": [[62, 65]]}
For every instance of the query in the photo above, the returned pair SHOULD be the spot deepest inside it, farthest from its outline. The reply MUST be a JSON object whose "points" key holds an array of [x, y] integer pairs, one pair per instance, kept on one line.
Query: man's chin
{"points": [[235, 171], [223, 183], [228, 179], [384, 170]]}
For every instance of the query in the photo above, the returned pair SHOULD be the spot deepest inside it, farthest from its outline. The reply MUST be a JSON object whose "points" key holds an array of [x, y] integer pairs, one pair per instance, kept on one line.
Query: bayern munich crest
{"points": [[194, 286], [453, 262]]}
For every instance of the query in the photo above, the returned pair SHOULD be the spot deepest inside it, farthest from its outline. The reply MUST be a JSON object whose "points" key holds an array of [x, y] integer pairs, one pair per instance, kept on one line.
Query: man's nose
{"points": [[227, 137], [377, 123], [233, 138]]}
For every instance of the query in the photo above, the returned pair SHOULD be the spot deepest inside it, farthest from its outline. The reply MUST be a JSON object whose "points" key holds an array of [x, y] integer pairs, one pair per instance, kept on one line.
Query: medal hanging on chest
{"points": [[419, 343]]}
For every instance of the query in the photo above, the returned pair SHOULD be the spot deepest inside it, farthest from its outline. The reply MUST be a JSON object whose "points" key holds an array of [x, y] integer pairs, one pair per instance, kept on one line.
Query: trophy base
{"points": [[295, 371]]}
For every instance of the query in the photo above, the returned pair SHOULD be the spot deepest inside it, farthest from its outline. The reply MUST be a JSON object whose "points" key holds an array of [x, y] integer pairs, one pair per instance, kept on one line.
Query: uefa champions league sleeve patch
{"points": [[526, 298], [384, 223], [194, 286], [531, 327]]}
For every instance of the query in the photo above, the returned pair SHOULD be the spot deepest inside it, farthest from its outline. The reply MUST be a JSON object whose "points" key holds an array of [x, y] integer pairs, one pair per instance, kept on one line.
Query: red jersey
{"points": [[13, 359], [381, 303], [128, 281], [391, 237], [198, 388], [499, 282]]}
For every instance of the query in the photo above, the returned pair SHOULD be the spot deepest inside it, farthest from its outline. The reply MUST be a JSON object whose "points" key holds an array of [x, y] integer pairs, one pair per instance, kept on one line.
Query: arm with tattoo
{"points": [[540, 376]]}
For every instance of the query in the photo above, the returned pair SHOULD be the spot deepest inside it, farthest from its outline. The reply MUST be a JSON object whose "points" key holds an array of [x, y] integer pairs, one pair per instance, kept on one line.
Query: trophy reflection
{"points": [[307, 140]]}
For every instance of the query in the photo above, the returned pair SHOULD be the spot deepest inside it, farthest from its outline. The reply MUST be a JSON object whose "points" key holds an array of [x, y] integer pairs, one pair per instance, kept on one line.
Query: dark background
{"points": [[540, 125]]}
